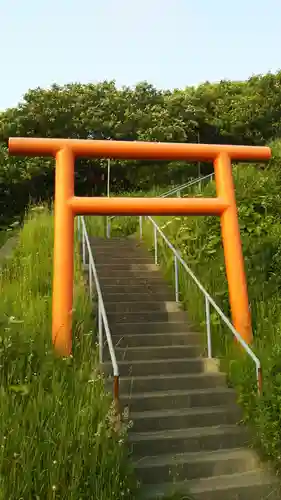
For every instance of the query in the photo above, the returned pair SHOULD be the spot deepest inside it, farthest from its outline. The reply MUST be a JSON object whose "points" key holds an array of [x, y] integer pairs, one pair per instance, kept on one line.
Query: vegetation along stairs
{"points": [[185, 434]]}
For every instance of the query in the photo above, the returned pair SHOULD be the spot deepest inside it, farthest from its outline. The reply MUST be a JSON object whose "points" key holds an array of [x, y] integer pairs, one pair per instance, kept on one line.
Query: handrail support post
{"points": [[155, 246], [100, 336], [141, 228], [176, 278], [208, 326]]}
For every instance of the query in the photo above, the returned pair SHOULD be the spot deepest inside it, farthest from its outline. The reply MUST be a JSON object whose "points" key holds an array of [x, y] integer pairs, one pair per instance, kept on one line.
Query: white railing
{"points": [[209, 301], [177, 190], [102, 317]]}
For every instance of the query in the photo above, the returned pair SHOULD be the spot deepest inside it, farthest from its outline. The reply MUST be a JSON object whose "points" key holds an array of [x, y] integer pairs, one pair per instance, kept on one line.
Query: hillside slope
{"points": [[58, 428], [199, 240]]}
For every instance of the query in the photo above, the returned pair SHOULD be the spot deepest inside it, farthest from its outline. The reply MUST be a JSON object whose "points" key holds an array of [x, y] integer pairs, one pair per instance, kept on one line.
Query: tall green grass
{"points": [[60, 437], [199, 241]]}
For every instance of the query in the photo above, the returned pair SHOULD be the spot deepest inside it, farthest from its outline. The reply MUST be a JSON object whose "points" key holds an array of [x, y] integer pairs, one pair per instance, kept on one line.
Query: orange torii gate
{"points": [[67, 206]]}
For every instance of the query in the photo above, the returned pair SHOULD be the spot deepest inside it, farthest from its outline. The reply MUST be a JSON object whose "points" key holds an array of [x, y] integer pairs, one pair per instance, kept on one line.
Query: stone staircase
{"points": [[185, 435]]}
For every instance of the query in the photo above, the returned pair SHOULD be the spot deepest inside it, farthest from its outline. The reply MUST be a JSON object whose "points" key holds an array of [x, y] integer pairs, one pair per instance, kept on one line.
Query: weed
{"points": [[59, 438]]}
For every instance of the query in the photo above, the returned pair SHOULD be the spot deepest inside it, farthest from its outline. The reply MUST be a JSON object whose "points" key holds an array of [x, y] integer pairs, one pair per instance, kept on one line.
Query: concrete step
{"points": [[147, 281], [146, 317], [172, 382], [152, 353], [107, 255], [113, 242], [162, 400], [127, 269], [132, 306], [183, 415], [146, 296], [131, 245], [145, 444], [136, 288], [202, 464], [157, 339], [119, 261], [240, 486], [130, 274], [144, 328], [151, 421], [122, 247], [99, 242], [162, 367]]}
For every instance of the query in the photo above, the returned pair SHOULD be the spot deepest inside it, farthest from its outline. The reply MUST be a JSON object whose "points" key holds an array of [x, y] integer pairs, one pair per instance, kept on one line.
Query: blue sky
{"points": [[170, 43]]}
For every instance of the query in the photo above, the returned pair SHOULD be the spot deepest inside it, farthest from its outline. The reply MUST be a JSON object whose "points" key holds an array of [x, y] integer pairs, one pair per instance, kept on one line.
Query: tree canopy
{"points": [[226, 112]]}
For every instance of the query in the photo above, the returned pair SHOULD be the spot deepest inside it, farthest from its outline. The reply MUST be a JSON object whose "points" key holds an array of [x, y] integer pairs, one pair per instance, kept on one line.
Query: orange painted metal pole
{"points": [[148, 206], [234, 262], [63, 253], [136, 150]]}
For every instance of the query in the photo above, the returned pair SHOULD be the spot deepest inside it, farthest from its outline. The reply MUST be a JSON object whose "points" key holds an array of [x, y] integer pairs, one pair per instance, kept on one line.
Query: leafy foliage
{"points": [[236, 112]]}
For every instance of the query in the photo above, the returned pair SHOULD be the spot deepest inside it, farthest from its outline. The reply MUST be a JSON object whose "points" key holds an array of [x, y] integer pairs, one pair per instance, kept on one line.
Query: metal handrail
{"points": [[208, 299], [177, 190], [102, 317]]}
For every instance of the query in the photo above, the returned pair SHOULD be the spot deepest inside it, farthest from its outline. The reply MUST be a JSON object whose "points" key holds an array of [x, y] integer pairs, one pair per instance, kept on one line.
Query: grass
{"points": [[199, 240], [59, 438]]}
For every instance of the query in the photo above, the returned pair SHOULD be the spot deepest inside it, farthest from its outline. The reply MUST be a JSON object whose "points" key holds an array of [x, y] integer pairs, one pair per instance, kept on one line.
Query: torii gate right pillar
{"points": [[233, 256]]}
